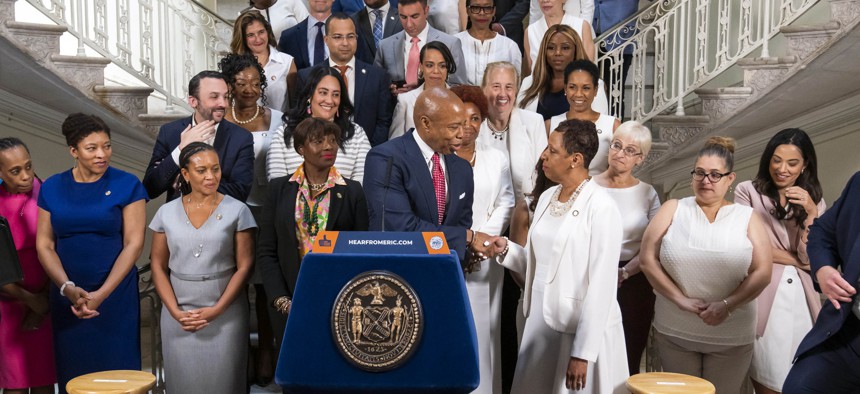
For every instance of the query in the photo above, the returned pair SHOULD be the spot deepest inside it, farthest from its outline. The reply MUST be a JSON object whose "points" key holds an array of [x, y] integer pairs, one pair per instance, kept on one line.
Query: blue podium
{"points": [[378, 312]]}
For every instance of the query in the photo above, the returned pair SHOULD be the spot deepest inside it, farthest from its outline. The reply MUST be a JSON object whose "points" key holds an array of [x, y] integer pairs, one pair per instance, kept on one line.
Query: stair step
{"points": [[844, 11], [129, 101], [763, 73], [7, 10], [36, 39], [152, 122], [803, 40], [82, 72], [717, 103]]}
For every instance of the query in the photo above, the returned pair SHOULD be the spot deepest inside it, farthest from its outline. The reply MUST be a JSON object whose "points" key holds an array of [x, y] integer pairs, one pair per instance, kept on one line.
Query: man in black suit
{"points": [[367, 84], [510, 15], [377, 20], [207, 94], [305, 41]]}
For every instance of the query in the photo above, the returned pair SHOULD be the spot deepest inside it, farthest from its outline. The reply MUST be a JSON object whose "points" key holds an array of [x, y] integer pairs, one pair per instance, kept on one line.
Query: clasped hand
{"points": [[84, 304], [196, 319], [712, 313]]}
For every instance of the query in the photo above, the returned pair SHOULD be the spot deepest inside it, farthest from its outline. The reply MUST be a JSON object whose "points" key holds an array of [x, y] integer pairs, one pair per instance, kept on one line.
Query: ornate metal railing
{"points": [[163, 43], [151, 304], [691, 42]]}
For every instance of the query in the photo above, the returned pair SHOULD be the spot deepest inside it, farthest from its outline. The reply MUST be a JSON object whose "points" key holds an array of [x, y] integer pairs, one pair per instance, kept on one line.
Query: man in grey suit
{"points": [[393, 52], [378, 20]]}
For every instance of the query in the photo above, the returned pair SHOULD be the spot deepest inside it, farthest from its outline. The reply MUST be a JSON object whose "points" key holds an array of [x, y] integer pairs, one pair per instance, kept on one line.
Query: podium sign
{"points": [[379, 313]]}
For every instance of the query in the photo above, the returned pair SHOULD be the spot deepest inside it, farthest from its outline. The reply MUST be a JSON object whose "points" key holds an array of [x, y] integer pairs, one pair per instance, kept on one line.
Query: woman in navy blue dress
{"points": [[90, 232]]}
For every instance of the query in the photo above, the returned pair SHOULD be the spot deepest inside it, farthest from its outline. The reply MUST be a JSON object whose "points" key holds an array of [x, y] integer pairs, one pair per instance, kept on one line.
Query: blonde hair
{"points": [[542, 74], [637, 132], [501, 66], [238, 45], [722, 147]]}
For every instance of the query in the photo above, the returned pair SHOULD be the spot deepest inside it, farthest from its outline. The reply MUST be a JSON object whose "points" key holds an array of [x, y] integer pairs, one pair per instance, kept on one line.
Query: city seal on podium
{"points": [[377, 321]]}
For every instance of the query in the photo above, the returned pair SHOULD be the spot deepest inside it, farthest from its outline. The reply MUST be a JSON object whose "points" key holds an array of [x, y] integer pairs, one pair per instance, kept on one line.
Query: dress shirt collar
{"points": [[422, 36], [350, 63], [210, 141], [313, 21], [384, 9], [426, 150]]}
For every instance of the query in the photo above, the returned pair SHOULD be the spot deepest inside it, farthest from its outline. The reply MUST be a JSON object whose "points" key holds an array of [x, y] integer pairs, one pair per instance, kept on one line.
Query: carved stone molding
{"points": [[153, 122], [805, 40], [678, 135], [844, 11], [84, 73], [128, 101], [7, 10]]}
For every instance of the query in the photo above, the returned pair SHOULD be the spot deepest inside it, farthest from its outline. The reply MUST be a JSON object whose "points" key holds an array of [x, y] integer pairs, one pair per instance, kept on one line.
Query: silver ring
{"points": [[486, 243]]}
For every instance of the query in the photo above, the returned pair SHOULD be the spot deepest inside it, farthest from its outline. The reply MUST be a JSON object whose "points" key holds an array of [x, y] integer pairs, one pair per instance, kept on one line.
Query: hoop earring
{"points": [[309, 106]]}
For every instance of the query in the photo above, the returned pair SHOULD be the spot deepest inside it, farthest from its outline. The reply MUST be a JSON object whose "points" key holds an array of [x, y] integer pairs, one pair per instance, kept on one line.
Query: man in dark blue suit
{"points": [[828, 358], [305, 41], [367, 84], [207, 94], [376, 20], [415, 172]]}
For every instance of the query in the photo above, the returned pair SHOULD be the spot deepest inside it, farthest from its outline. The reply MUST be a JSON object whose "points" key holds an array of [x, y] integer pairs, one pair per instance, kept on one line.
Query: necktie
{"points": [[412, 64], [342, 70], [439, 186], [319, 45], [377, 27]]}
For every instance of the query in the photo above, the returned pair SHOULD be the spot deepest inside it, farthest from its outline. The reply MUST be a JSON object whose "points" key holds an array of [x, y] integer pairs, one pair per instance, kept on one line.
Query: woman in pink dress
{"points": [[26, 345]]}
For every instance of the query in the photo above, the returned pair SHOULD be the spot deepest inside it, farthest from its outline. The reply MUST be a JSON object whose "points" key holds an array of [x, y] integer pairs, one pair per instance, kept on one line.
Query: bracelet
{"points": [[282, 304], [727, 307], [63, 287], [507, 247], [624, 273], [473, 238]]}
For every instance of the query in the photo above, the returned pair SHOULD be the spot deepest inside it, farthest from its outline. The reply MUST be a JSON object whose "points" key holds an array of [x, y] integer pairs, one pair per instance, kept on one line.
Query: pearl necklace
{"points": [[557, 208], [256, 114], [498, 134]]}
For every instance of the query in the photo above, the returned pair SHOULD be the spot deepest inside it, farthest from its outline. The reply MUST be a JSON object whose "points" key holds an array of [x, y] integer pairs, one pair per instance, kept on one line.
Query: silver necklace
{"points": [[557, 208], [197, 251]]}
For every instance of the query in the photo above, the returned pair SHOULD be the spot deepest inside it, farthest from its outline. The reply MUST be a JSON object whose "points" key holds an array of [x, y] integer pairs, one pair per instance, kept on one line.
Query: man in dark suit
{"points": [[305, 41], [207, 94], [420, 185], [394, 52], [510, 15], [367, 84], [376, 21], [828, 358]]}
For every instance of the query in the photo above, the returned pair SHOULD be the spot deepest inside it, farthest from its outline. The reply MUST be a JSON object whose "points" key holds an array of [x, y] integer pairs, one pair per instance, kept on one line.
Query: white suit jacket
{"points": [[524, 143], [581, 283]]}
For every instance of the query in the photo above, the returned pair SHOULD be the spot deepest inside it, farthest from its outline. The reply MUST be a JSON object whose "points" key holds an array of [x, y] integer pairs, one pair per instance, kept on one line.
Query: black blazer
{"points": [[277, 245], [294, 42], [510, 14], [235, 148], [371, 109], [366, 51]]}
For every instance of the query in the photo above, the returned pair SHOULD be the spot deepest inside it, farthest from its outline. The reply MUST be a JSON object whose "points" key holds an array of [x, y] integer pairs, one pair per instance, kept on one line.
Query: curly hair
{"points": [[580, 136], [300, 112], [233, 64], [78, 126], [237, 42], [474, 95]]}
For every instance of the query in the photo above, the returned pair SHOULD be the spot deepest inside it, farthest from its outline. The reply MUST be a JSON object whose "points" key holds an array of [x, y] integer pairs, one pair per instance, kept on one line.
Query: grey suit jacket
{"points": [[390, 55]]}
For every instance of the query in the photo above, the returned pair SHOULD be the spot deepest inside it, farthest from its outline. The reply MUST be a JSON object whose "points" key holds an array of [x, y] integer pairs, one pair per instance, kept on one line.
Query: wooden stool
{"points": [[668, 383], [118, 382]]}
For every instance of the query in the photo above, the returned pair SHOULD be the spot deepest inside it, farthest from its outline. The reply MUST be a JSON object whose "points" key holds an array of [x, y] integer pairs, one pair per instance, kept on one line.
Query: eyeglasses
{"points": [[714, 177], [629, 151], [477, 9]]}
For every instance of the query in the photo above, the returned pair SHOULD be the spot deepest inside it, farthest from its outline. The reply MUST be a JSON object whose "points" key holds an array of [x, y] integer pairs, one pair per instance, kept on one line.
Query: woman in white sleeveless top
{"points": [[553, 14], [707, 259], [580, 88]]}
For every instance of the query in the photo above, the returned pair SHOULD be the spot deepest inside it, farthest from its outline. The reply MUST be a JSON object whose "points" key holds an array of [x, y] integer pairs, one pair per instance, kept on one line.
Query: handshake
{"points": [[482, 247]]}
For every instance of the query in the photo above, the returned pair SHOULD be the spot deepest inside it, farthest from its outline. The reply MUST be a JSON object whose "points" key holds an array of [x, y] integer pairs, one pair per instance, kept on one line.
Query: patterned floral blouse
{"points": [[312, 212]]}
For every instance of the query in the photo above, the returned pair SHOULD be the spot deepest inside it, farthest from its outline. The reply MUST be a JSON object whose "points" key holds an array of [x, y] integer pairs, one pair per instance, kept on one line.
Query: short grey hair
{"points": [[502, 65], [638, 133]]}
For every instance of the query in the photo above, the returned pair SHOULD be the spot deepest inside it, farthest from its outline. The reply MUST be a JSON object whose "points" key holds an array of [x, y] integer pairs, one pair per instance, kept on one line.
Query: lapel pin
{"points": [[363, 71], [107, 193], [218, 216], [599, 131], [575, 213], [274, 77], [338, 195]]}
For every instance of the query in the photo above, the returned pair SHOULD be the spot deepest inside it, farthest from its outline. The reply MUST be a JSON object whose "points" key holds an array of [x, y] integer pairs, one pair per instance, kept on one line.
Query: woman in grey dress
{"points": [[202, 254]]}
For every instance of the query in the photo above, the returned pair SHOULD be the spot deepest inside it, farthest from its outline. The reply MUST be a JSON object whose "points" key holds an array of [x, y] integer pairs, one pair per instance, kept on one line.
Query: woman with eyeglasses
{"points": [[580, 88], [481, 45], [707, 259], [436, 64], [787, 196], [638, 203]]}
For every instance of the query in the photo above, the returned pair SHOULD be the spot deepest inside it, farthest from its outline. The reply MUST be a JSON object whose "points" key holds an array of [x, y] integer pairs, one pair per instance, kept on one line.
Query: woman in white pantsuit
{"points": [[492, 208], [574, 340]]}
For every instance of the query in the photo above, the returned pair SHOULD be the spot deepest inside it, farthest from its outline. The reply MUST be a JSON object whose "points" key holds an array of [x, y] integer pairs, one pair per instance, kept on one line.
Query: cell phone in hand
{"points": [[399, 84]]}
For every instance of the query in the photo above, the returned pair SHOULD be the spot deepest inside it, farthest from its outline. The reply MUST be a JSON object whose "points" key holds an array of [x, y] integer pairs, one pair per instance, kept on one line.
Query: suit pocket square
{"points": [[462, 196]]}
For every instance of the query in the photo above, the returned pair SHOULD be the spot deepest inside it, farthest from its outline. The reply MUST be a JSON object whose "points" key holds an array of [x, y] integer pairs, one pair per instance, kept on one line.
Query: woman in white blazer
{"points": [[519, 133], [574, 339], [492, 208]]}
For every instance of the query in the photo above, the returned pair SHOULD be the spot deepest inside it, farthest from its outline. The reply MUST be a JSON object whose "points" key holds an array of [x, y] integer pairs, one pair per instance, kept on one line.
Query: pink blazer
{"points": [[785, 235]]}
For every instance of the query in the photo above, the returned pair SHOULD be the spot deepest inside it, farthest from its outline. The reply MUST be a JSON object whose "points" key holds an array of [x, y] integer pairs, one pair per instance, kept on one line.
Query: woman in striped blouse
{"points": [[321, 98]]}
